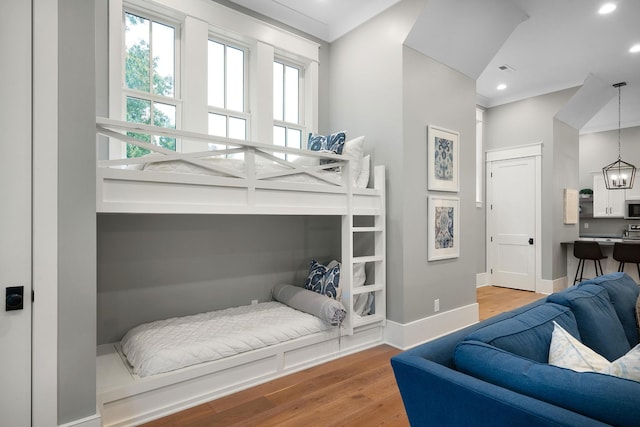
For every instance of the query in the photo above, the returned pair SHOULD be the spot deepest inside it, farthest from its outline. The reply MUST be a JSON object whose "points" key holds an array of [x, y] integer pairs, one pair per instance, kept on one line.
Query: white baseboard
{"points": [[547, 287], [91, 421], [404, 336], [482, 279]]}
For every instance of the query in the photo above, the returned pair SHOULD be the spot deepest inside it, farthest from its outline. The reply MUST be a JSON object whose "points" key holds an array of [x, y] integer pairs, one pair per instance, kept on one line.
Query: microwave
{"points": [[632, 209]]}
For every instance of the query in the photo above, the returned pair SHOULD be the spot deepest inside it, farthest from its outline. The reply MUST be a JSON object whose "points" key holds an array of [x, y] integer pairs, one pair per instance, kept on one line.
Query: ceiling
{"points": [[552, 44]]}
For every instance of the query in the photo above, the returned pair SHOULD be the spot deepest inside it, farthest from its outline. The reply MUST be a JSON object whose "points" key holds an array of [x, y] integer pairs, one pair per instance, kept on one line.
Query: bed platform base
{"points": [[125, 399]]}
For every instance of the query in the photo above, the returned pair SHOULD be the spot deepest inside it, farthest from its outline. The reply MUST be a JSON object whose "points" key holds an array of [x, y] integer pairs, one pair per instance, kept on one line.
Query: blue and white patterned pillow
{"points": [[324, 280], [333, 142]]}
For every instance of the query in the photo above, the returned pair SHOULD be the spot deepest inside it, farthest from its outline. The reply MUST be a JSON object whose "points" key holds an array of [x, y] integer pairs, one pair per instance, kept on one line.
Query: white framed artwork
{"points": [[443, 228], [443, 170]]}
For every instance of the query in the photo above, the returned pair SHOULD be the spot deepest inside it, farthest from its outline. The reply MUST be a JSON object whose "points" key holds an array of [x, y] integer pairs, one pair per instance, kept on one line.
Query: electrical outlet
{"points": [[586, 225], [254, 301], [436, 305]]}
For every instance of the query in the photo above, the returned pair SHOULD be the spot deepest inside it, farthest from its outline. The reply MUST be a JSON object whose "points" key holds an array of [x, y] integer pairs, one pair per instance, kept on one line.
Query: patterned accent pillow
{"points": [[324, 280], [567, 352], [333, 142]]}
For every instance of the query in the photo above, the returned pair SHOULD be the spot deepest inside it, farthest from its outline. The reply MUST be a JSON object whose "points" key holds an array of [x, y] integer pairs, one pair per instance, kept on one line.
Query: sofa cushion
{"points": [[609, 399], [623, 293], [598, 323], [568, 352], [528, 334]]}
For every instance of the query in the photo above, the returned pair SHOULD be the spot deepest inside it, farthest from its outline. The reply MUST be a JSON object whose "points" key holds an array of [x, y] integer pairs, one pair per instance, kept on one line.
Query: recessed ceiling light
{"points": [[607, 8], [501, 86], [635, 48]]}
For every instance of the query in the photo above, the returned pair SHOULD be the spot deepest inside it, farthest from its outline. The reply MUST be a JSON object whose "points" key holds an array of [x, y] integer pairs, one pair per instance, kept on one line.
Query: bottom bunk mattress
{"points": [[167, 345]]}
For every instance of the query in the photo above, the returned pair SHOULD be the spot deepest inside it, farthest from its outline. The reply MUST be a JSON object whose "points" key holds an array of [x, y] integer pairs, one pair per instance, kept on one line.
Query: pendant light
{"points": [[619, 175]]}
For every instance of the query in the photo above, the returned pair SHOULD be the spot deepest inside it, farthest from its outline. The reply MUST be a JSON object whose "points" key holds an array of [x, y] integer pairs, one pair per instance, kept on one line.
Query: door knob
{"points": [[14, 299], [531, 241]]}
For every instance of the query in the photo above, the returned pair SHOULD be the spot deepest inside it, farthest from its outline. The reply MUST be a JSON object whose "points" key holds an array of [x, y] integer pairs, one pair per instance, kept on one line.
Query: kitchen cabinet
{"points": [[607, 203], [633, 193]]}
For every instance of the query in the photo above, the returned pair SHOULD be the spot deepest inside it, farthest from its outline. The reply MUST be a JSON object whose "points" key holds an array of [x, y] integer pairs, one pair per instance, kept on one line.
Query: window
{"points": [[226, 94], [150, 77], [287, 127], [210, 73], [479, 156]]}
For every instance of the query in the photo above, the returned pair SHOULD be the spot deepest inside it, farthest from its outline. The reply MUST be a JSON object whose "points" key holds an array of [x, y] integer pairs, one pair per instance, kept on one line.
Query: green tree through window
{"points": [[142, 75]]}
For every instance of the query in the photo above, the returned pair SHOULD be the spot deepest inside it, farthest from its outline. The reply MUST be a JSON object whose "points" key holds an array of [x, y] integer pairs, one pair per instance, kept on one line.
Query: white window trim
{"points": [[117, 91], [200, 20], [479, 156], [246, 114]]}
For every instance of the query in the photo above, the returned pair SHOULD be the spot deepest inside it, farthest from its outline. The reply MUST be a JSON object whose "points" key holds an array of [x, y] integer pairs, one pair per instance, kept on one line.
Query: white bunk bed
{"points": [[263, 183]]}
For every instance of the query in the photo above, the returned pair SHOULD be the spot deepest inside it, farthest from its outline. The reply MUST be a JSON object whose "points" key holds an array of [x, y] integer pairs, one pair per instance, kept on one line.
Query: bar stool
{"points": [[587, 250], [627, 252]]}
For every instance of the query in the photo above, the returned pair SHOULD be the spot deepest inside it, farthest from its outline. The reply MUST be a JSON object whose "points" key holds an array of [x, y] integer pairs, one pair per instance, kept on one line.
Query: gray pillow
{"points": [[327, 309]]}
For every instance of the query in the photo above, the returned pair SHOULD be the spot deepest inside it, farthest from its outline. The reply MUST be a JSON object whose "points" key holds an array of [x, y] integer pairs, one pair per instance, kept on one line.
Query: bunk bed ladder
{"points": [[363, 241]]}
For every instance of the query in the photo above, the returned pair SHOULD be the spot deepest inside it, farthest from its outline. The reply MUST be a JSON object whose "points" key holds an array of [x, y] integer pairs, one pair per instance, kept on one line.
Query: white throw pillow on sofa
{"points": [[566, 351]]}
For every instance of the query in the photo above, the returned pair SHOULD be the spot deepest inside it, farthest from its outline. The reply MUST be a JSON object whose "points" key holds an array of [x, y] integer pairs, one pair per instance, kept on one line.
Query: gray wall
{"points": [[390, 94], [601, 148], [366, 98], [76, 212], [154, 267], [532, 121], [436, 94], [565, 158], [597, 150]]}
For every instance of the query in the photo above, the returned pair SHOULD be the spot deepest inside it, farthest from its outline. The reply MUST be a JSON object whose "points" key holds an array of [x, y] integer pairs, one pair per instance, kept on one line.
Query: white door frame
{"points": [[534, 151], [15, 214]]}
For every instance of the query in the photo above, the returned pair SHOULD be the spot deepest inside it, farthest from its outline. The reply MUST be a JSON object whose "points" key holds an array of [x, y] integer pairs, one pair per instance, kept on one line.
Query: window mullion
{"points": [[152, 97], [284, 92], [151, 57], [224, 86]]}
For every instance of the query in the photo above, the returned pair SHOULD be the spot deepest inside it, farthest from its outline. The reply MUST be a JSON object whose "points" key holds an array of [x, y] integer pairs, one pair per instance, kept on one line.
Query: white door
{"points": [[511, 194], [15, 213]]}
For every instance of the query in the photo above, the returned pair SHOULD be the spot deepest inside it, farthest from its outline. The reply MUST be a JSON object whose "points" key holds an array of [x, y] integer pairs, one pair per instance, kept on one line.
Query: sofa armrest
{"points": [[436, 395]]}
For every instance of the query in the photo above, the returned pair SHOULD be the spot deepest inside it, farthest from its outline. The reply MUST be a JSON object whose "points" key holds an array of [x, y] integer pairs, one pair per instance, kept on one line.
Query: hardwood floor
{"points": [[356, 390], [495, 300]]}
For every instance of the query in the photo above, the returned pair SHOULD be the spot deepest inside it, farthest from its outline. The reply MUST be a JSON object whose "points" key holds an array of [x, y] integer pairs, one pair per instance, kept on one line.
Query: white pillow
{"points": [[363, 178], [566, 351], [359, 276], [354, 148], [306, 161], [361, 302]]}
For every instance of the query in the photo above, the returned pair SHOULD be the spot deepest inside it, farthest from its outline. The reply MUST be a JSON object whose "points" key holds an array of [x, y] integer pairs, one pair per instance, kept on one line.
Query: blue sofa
{"points": [[495, 373]]}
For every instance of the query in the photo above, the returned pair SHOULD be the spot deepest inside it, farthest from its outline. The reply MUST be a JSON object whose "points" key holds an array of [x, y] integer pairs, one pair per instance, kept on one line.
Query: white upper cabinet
{"points": [[634, 193], [607, 203]]}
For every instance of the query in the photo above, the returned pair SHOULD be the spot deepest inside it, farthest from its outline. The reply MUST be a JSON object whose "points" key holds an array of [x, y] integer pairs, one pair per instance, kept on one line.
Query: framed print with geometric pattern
{"points": [[443, 228], [443, 169]]}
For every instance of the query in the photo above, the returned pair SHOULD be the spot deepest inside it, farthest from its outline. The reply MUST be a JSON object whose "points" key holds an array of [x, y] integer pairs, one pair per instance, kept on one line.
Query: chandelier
{"points": [[619, 175]]}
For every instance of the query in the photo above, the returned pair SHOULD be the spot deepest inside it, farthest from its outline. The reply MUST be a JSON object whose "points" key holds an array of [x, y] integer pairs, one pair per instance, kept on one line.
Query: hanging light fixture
{"points": [[619, 175]]}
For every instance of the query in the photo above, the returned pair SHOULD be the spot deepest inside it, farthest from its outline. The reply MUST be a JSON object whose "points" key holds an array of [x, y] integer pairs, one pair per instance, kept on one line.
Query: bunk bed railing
{"points": [[119, 132]]}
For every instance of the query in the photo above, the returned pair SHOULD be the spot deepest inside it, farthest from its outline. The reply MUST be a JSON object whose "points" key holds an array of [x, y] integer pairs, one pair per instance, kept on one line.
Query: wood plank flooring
{"points": [[356, 390]]}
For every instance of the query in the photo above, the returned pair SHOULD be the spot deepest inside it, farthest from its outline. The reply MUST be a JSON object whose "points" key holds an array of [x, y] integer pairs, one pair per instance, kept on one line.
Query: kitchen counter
{"points": [[604, 241], [609, 265]]}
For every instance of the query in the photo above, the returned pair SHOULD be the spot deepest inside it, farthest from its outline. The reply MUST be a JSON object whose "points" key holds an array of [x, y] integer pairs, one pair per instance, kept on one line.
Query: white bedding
{"points": [[166, 345], [262, 167]]}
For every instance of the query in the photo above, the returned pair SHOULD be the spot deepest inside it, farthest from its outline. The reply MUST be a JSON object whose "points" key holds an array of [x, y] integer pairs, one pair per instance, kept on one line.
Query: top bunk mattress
{"points": [[166, 345]]}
